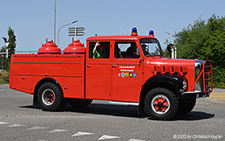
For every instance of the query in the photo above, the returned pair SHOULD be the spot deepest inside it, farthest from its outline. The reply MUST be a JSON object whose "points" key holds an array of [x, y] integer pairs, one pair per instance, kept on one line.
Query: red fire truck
{"points": [[129, 68]]}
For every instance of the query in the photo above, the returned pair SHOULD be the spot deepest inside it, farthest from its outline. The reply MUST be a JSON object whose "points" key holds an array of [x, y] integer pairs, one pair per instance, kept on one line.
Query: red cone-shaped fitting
{"points": [[49, 48], [75, 48]]}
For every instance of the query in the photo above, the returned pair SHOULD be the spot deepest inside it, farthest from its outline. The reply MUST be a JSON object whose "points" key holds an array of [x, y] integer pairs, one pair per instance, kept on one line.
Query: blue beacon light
{"points": [[151, 33], [134, 31]]}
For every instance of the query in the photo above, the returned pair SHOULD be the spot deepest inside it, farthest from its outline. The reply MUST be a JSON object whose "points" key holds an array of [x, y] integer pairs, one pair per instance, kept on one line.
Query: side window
{"points": [[126, 50], [99, 49]]}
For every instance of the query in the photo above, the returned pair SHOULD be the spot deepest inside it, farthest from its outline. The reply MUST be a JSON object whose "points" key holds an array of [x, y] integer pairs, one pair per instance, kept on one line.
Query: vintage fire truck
{"points": [[129, 68]]}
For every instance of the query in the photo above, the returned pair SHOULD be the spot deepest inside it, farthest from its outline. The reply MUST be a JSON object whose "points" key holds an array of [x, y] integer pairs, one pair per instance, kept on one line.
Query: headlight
{"points": [[184, 84]]}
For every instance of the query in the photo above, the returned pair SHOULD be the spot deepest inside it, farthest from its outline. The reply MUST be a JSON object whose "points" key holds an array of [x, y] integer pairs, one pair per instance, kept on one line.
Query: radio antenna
{"points": [[122, 30]]}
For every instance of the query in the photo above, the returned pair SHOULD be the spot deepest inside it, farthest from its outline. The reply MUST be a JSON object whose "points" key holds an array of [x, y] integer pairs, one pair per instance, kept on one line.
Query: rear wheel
{"points": [[79, 103], [161, 103], [185, 106], [50, 97]]}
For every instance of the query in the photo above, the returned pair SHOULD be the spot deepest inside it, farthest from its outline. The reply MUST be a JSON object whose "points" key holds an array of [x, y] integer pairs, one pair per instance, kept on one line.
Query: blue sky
{"points": [[33, 20]]}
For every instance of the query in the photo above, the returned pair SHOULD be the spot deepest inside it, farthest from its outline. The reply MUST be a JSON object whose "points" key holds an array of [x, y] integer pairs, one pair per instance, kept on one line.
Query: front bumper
{"points": [[197, 93]]}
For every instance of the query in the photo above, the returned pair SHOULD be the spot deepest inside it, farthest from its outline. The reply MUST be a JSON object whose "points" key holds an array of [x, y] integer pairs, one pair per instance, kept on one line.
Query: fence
{"points": [[4, 61]]}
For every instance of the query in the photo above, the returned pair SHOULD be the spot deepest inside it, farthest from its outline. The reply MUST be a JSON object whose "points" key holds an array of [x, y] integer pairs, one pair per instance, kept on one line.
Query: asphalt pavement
{"points": [[102, 120], [218, 94]]}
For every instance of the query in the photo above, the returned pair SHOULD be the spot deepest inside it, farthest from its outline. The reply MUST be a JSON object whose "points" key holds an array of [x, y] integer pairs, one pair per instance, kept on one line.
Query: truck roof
{"points": [[117, 37]]}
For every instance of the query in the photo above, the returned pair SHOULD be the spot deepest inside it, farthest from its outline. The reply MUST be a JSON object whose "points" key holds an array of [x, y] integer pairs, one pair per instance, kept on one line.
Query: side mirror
{"points": [[169, 48], [138, 51]]}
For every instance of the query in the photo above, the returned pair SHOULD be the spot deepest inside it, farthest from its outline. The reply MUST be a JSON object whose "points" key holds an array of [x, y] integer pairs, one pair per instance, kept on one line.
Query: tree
{"points": [[11, 47], [205, 40]]}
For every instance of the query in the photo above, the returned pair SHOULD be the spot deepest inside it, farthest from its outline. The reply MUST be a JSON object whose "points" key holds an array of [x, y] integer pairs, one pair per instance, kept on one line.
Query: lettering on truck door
{"points": [[127, 72]]}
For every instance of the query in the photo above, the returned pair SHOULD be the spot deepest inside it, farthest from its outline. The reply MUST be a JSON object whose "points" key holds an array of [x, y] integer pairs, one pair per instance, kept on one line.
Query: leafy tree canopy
{"points": [[205, 40], [11, 47]]}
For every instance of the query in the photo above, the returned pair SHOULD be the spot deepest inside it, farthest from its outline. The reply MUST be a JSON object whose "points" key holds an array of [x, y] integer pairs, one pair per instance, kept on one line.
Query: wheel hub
{"points": [[160, 104], [48, 97]]}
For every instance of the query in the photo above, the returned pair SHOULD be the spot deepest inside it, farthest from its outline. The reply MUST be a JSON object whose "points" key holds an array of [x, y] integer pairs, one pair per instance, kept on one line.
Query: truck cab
{"points": [[129, 68]]}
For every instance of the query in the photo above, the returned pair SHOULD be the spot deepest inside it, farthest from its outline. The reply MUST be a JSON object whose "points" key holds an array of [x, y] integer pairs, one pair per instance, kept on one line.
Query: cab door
{"points": [[127, 72], [98, 71]]}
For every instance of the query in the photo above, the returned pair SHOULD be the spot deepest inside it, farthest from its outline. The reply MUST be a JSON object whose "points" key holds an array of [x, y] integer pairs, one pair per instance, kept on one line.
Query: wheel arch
{"points": [[42, 81], [173, 83]]}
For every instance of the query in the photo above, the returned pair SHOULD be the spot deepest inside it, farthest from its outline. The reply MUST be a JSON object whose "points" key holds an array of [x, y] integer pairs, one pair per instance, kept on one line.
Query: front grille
{"points": [[203, 76]]}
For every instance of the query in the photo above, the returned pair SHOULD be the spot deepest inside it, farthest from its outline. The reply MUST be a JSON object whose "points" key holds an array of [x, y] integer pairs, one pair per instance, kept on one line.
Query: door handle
{"points": [[88, 66], [114, 66]]}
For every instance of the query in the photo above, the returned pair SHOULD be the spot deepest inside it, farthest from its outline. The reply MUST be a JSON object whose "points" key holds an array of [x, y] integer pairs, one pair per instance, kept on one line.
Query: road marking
{"points": [[217, 96], [136, 140], [216, 93], [36, 128], [16, 125], [82, 134], [57, 131], [3, 123], [106, 137]]}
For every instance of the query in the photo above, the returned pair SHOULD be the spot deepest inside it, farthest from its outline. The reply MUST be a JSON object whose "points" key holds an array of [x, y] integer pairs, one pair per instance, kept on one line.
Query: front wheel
{"points": [[50, 97], [185, 106], [161, 103]]}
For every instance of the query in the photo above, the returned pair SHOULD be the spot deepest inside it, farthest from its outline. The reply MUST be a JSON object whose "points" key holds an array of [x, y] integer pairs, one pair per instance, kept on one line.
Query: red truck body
{"points": [[80, 76], [68, 70]]}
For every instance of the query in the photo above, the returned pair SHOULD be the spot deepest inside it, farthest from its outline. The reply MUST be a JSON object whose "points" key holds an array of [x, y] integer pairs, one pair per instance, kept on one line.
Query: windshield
{"points": [[151, 47]]}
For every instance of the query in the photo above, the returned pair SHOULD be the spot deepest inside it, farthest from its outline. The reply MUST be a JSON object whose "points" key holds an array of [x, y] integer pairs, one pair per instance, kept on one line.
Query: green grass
{"points": [[4, 77]]}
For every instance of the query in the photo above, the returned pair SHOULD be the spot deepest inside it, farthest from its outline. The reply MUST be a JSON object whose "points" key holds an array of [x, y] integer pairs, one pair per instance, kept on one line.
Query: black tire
{"points": [[50, 97], [161, 104], [185, 106], [79, 103]]}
